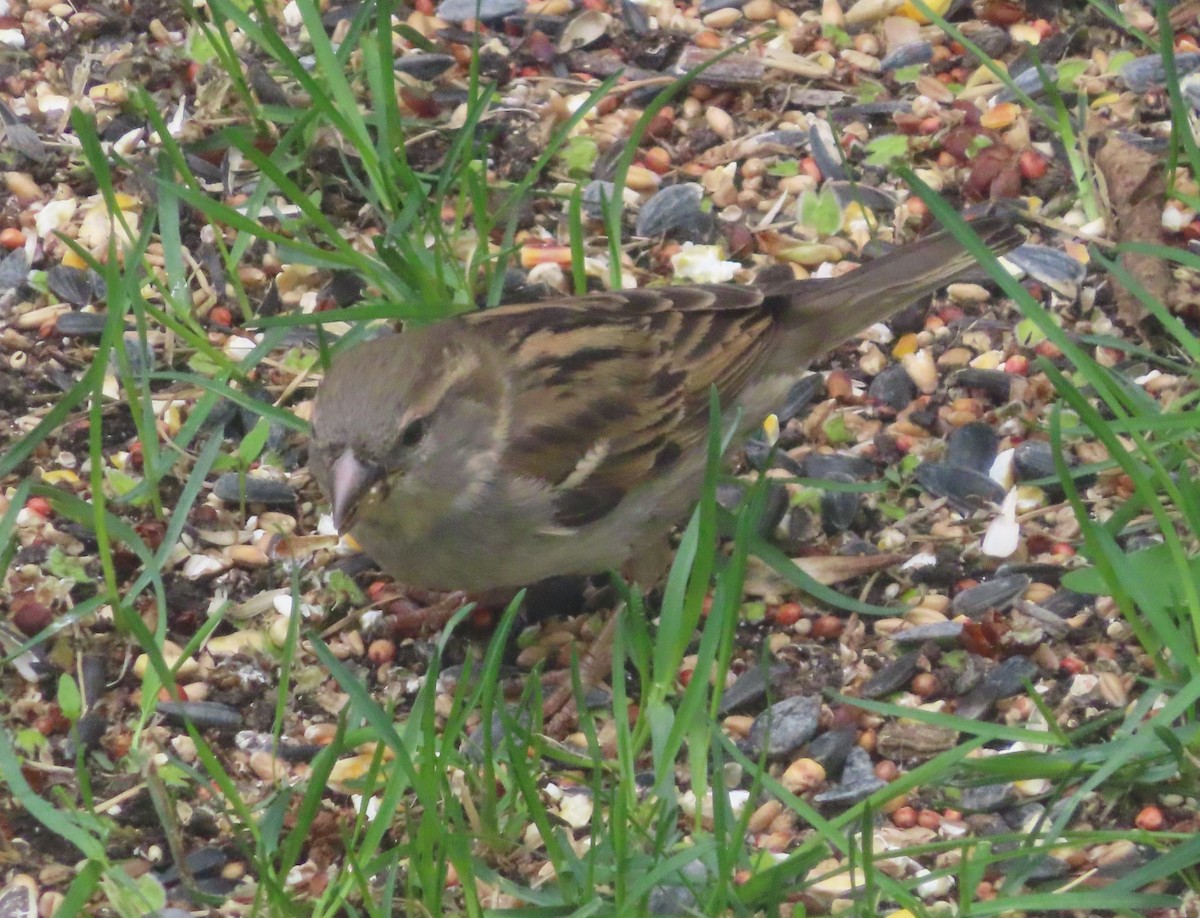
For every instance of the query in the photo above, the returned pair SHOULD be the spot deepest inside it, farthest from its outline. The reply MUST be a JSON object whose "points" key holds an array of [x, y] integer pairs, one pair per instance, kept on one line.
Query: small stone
{"points": [[675, 210], [965, 487], [458, 11], [858, 782], [803, 775], [1008, 678], [722, 18], [205, 715], [234, 488], [1148, 72], [907, 55], [786, 725], [921, 370], [894, 676], [972, 446], [424, 66], [997, 594]]}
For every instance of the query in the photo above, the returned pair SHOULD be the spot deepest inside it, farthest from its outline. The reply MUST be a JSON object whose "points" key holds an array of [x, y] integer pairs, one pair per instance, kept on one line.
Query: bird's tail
{"points": [[823, 313]]}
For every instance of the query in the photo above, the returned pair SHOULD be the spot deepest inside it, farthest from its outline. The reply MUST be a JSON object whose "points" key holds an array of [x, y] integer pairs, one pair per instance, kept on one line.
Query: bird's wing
{"points": [[610, 389]]}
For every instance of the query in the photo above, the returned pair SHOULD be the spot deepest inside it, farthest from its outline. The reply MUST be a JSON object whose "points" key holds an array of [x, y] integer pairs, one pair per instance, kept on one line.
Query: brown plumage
{"points": [[567, 436]]}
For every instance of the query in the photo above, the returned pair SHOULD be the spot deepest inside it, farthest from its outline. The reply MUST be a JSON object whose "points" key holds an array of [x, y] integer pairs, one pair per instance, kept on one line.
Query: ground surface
{"points": [[785, 151]]}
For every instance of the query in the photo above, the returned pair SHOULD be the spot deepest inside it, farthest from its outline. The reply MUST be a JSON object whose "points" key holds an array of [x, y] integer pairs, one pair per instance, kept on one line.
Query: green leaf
{"points": [[836, 431], [785, 168], [202, 365], [1119, 60], [173, 776], [129, 896], [299, 361], [839, 37], [36, 280], [121, 482], [414, 38], [885, 150], [253, 443], [1069, 72], [820, 211], [869, 91], [579, 155], [978, 143], [344, 588], [199, 48], [65, 567], [1153, 578], [1028, 334], [908, 74], [69, 699], [29, 741], [753, 611]]}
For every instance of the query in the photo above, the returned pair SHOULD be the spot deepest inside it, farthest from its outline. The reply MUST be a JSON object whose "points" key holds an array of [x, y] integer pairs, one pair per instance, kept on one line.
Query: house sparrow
{"points": [[502, 447]]}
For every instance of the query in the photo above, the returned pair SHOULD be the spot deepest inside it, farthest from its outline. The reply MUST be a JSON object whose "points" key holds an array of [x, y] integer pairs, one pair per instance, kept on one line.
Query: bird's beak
{"points": [[351, 479]]}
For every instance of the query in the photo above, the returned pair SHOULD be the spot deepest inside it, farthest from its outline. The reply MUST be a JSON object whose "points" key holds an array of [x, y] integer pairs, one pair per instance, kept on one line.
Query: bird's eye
{"points": [[414, 432]]}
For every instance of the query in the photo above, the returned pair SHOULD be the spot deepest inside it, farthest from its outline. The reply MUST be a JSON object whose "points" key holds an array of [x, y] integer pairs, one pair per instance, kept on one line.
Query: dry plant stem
{"points": [[560, 709]]}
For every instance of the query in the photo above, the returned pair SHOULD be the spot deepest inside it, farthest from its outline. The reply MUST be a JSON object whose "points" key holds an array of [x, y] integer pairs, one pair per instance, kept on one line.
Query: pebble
{"points": [[996, 594], [825, 151], [812, 254], [1145, 73], [893, 677], [865, 62], [14, 269], [234, 488], [995, 384], [831, 748], [80, 324], [785, 726], [673, 209], [719, 121], [973, 446], [1029, 81], [966, 487], [1008, 678], [943, 631], [761, 819], [858, 782], [893, 388], [43, 315], [967, 294], [1052, 267], [1000, 116], [424, 66], [722, 18], [205, 715], [459, 11], [986, 798], [23, 187], [243, 641], [864, 195], [907, 55], [759, 10], [639, 178], [803, 775], [172, 654], [921, 370]]}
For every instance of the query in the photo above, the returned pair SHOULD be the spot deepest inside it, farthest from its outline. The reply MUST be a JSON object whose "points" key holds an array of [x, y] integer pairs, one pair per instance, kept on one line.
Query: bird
{"points": [[568, 436]]}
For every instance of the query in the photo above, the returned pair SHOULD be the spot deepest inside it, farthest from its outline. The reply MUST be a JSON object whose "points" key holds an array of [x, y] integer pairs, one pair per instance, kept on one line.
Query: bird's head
{"points": [[409, 425]]}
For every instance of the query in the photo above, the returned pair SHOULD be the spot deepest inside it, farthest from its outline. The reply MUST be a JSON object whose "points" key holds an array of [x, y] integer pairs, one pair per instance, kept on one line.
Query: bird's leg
{"points": [[560, 709], [647, 565]]}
